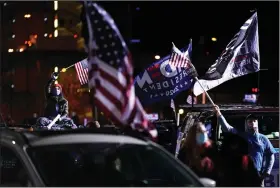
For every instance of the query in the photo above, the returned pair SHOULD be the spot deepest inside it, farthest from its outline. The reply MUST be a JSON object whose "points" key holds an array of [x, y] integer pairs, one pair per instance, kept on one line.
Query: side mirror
{"points": [[208, 182]]}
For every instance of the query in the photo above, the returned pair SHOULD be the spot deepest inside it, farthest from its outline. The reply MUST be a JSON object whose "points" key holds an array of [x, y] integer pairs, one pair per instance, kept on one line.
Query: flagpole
{"points": [[211, 101]]}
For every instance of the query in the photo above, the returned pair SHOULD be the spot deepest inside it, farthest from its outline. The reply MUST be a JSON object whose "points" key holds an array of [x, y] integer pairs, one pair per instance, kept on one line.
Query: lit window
{"points": [[10, 50], [27, 15], [55, 5], [55, 23], [55, 33]]}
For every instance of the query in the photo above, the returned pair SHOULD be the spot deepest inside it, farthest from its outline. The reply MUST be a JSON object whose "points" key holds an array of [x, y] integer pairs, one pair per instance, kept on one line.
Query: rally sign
{"points": [[161, 81]]}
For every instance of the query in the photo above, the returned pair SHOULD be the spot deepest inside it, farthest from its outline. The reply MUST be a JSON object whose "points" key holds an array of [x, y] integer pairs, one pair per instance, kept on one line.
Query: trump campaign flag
{"points": [[163, 81], [240, 57], [111, 71]]}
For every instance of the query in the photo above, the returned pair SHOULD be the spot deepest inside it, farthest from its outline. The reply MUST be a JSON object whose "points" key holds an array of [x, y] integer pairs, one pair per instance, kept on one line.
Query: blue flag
{"points": [[161, 81]]}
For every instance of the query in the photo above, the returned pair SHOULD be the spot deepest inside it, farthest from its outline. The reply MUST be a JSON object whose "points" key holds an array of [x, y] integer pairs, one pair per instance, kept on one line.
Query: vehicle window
{"points": [[12, 172], [109, 165]]}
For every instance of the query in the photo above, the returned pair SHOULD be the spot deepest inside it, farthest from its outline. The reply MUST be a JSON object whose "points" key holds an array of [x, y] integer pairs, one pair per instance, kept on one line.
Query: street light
{"points": [[181, 111], [157, 57], [214, 39]]}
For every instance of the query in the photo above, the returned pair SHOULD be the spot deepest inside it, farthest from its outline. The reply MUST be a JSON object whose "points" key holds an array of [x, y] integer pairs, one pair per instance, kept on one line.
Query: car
{"points": [[82, 158], [235, 115]]}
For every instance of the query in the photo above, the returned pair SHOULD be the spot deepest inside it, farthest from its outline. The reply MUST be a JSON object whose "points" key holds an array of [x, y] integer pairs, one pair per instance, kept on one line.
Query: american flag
{"points": [[182, 60], [111, 72], [191, 100], [82, 71], [179, 59]]}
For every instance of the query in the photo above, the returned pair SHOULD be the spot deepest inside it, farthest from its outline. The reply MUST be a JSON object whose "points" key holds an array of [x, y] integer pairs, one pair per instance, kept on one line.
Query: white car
{"points": [[70, 158]]}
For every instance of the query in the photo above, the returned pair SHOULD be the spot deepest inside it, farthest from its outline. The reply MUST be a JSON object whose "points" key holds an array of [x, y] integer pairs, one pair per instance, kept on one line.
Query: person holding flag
{"points": [[57, 106]]}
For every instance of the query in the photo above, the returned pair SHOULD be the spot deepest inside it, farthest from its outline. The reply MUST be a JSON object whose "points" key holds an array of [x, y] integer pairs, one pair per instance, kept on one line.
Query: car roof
{"points": [[232, 108], [85, 138], [45, 137]]}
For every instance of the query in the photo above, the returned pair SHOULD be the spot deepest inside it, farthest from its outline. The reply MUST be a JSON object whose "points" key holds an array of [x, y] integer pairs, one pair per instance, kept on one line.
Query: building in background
{"points": [[45, 25]]}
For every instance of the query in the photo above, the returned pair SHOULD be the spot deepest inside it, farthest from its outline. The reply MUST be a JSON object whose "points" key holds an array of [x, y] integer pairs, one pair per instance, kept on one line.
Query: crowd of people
{"points": [[244, 158]]}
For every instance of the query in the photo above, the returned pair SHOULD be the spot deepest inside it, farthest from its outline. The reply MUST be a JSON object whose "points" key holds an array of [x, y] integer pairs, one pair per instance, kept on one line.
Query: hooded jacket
{"points": [[260, 148], [55, 104]]}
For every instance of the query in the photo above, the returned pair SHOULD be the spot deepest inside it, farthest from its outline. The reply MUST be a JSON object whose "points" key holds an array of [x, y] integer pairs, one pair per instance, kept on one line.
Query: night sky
{"points": [[158, 24]]}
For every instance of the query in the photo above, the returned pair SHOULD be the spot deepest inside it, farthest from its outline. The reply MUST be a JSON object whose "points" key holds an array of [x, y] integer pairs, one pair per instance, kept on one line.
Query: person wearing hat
{"points": [[56, 103], [260, 148]]}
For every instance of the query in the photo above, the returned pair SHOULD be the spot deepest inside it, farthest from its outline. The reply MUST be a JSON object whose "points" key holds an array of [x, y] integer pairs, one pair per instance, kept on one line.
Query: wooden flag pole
{"points": [[205, 91]]}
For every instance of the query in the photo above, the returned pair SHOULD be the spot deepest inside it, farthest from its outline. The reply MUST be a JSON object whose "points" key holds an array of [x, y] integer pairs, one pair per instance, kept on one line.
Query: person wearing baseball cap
{"points": [[260, 148]]}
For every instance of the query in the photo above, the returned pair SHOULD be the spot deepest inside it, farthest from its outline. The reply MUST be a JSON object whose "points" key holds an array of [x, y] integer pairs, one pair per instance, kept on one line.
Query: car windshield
{"points": [[107, 164]]}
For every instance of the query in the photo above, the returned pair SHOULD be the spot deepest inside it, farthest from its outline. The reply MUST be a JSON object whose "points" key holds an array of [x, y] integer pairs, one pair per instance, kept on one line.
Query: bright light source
{"points": [[50, 35], [55, 5], [75, 36], [12, 86], [181, 111], [21, 50], [63, 70], [14, 20], [13, 36], [214, 39], [27, 15], [55, 23], [46, 34], [157, 57], [45, 19], [11, 50], [56, 82], [55, 33], [35, 36], [13, 142], [55, 69], [5, 4]]}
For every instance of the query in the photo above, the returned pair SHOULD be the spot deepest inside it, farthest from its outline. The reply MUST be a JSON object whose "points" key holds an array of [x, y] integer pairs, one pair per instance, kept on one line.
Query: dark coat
{"points": [[52, 101]]}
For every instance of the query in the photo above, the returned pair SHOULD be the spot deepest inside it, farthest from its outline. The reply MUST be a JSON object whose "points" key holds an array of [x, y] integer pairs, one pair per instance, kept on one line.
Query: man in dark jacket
{"points": [[56, 105]]}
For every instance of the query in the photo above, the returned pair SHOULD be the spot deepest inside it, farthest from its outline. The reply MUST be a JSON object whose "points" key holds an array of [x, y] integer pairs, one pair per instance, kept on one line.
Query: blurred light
{"points": [[55, 33], [55, 69], [29, 43], [181, 111], [11, 50], [21, 50], [157, 57], [89, 90], [25, 42], [35, 36], [55, 23], [45, 19], [46, 34], [5, 4], [135, 41], [12, 86], [214, 39], [138, 8], [55, 5], [27, 15], [14, 20], [56, 82], [13, 36], [50, 35], [13, 142], [63, 70], [75, 36]]}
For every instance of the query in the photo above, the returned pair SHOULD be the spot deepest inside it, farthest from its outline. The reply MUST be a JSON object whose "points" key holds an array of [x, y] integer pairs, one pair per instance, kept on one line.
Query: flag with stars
{"points": [[163, 81], [111, 71], [82, 71]]}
